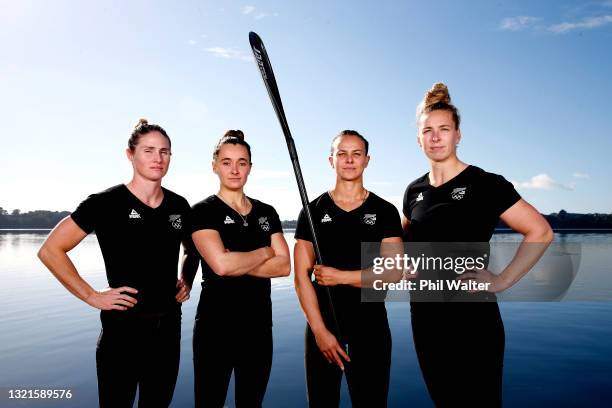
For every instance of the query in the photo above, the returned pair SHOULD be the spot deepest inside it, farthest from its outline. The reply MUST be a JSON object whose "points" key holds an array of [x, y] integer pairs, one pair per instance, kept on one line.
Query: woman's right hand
{"points": [[112, 299], [331, 349]]}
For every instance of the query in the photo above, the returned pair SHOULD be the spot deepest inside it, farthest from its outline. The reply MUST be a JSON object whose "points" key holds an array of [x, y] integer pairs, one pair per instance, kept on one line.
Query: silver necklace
{"points": [[245, 223]]}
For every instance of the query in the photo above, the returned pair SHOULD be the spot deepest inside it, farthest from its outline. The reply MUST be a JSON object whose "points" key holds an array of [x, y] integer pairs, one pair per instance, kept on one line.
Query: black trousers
{"points": [[460, 348], [220, 348], [367, 375], [138, 352]]}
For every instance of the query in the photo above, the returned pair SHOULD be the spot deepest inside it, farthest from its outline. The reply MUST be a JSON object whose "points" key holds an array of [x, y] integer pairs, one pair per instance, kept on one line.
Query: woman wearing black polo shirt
{"points": [[241, 244], [344, 218], [139, 226], [460, 345]]}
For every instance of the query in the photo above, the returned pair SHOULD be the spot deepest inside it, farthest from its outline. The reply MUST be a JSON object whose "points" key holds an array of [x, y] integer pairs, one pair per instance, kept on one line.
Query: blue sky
{"points": [[531, 79]]}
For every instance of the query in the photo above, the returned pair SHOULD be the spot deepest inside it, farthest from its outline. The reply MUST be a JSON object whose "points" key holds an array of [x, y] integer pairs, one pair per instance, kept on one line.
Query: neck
{"points": [[235, 198], [441, 172], [349, 190], [147, 191]]}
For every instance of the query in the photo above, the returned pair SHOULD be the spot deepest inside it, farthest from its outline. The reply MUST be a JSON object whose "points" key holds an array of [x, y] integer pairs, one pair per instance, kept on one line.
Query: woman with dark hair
{"points": [[460, 344], [241, 245], [139, 227], [344, 218]]}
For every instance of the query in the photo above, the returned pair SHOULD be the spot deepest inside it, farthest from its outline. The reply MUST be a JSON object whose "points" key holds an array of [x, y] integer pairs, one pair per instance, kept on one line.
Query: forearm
{"points": [[274, 267], [189, 268], [529, 252], [63, 269], [240, 263], [310, 305]]}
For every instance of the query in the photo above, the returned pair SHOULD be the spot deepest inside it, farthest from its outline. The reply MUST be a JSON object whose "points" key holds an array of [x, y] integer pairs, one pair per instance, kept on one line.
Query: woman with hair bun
{"points": [[460, 344], [345, 218], [139, 227], [241, 246]]}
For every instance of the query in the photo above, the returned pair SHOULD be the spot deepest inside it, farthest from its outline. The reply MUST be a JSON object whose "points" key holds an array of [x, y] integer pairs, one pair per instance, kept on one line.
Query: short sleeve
{"points": [[503, 194], [392, 226], [275, 223], [202, 217], [406, 203], [87, 213], [302, 231]]}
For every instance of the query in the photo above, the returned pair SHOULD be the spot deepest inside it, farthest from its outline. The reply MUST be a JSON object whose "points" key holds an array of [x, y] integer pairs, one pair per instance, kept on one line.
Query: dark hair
{"points": [[438, 98], [350, 133], [142, 128], [235, 137]]}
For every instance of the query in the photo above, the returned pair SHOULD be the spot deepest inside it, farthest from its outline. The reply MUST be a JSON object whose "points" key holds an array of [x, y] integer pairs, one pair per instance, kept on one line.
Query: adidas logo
{"points": [[134, 214], [326, 218], [228, 220], [419, 197]]}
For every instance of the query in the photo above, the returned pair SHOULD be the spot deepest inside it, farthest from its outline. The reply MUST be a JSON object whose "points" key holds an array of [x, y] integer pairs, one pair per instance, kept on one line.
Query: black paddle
{"points": [[265, 68]]}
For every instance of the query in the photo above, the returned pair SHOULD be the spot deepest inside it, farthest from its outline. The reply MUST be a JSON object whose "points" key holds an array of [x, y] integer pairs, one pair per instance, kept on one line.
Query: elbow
{"points": [[220, 270], [545, 233], [42, 253], [285, 269], [542, 234], [548, 235]]}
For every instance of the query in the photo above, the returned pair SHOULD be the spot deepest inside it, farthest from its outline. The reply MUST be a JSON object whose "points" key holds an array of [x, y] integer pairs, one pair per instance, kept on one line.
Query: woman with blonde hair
{"points": [[460, 344]]}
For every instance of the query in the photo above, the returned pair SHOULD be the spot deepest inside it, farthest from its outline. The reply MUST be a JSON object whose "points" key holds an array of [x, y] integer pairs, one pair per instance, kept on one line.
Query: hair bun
{"points": [[437, 94], [141, 122], [238, 134]]}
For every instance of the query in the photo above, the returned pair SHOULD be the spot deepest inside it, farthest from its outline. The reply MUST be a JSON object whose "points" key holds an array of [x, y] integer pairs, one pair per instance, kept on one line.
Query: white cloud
{"points": [[542, 182], [230, 53], [247, 9], [581, 175], [517, 23], [257, 15], [585, 24], [192, 42]]}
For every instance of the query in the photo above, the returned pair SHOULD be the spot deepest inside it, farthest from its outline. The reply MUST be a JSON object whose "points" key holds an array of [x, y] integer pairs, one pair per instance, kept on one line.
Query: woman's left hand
{"points": [[327, 276], [183, 291], [494, 283]]}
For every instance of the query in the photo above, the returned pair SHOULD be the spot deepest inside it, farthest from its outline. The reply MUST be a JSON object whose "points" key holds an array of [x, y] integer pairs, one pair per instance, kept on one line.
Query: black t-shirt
{"points": [[140, 245], [245, 298], [340, 235], [464, 209]]}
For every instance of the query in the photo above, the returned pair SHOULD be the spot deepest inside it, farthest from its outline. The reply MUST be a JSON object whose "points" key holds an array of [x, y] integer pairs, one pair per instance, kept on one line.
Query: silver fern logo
{"points": [[369, 219], [175, 221], [458, 193], [264, 224]]}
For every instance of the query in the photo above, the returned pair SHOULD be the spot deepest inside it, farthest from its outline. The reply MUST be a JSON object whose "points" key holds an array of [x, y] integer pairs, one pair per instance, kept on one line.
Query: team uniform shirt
{"points": [[340, 235], [242, 298], [465, 209], [140, 245]]}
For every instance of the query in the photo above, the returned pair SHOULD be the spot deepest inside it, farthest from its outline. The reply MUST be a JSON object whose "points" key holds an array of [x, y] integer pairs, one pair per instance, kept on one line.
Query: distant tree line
{"points": [[32, 219], [565, 220], [48, 219]]}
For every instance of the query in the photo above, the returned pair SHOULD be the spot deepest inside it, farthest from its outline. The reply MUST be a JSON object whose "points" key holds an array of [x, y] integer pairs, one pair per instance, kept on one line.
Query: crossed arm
{"points": [[265, 262]]}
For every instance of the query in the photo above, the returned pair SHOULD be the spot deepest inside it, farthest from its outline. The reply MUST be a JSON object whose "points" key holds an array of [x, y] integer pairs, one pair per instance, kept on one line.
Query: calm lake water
{"points": [[558, 354]]}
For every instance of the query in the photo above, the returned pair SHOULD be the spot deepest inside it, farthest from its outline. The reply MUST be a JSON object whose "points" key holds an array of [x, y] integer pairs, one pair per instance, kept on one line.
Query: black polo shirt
{"points": [[340, 235], [245, 298], [464, 209], [140, 245]]}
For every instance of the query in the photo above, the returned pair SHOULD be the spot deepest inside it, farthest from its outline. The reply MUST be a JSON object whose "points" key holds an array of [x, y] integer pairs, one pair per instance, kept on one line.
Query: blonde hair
{"points": [[438, 98]]}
